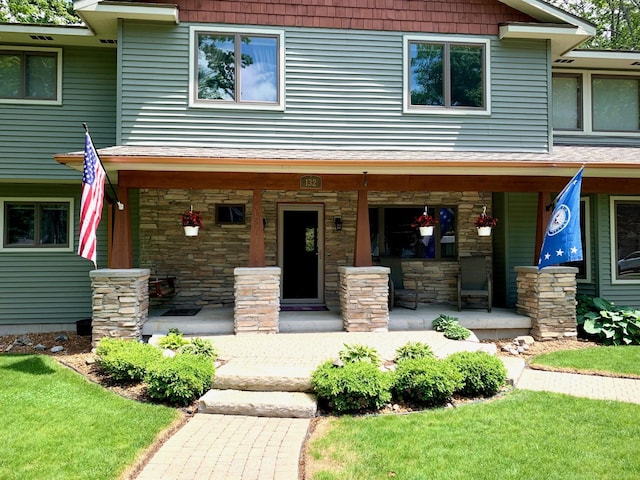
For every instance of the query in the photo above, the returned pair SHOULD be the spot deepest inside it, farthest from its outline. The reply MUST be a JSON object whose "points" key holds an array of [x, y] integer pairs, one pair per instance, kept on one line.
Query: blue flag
{"points": [[562, 241]]}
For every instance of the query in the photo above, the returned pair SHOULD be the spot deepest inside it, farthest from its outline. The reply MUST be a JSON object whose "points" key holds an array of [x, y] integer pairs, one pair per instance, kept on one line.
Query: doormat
{"points": [[181, 312], [303, 308]]}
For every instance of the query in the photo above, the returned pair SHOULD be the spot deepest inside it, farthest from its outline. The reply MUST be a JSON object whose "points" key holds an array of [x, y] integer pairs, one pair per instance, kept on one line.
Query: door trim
{"points": [[308, 207]]}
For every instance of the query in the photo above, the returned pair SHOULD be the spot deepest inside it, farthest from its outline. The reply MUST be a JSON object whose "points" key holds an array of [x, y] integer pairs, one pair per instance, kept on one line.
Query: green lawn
{"points": [[614, 359], [532, 435], [55, 424]]}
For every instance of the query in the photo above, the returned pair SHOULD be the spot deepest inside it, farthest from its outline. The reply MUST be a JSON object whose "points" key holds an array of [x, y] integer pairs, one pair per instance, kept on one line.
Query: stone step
{"points": [[240, 376], [259, 404]]}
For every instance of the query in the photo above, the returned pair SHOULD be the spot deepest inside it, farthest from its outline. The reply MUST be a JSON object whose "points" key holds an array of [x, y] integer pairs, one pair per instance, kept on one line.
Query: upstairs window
{"points": [[237, 69], [567, 102], [41, 224], [615, 103], [446, 77], [30, 76]]}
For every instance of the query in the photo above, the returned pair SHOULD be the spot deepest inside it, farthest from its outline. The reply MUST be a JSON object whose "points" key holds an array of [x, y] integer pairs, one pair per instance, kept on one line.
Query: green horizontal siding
{"points": [[32, 134], [343, 89], [47, 287]]}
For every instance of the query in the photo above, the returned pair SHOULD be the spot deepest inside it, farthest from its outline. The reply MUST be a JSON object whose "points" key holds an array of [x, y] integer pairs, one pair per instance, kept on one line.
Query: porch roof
{"points": [[600, 161]]}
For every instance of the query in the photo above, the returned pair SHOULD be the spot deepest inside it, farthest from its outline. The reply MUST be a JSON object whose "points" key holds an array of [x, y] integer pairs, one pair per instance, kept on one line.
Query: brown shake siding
{"points": [[455, 16]]}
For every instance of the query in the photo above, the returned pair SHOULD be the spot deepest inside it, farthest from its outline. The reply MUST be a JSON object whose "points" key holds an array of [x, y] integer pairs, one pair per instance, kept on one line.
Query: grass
{"points": [[533, 435], [624, 360], [57, 425]]}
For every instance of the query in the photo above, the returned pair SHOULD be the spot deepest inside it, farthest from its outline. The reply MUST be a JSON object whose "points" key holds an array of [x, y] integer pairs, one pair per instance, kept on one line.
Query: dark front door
{"points": [[300, 253]]}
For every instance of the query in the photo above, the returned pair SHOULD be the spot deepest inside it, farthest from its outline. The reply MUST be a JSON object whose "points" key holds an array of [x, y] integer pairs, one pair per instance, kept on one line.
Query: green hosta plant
{"points": [[173, 340], [620, 326], [412, 350], [441, 323], [200, 346], [359, 353], [457, 332]]}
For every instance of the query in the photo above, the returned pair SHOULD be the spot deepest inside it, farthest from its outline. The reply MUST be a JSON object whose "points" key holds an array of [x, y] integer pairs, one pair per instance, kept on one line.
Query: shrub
{"points": [[126, 360], [173, 340], [615, 327], [425, 381], [413, 350], [355, 387], [200, 346], [482, 374], [441, 323], [180, 379], [359, 353], [456, 332]]}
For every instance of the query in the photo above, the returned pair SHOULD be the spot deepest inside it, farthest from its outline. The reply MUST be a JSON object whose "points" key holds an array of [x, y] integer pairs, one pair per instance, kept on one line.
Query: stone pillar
{"points": [[364, 298], [257, 300], [548, 297], [120, 303]]}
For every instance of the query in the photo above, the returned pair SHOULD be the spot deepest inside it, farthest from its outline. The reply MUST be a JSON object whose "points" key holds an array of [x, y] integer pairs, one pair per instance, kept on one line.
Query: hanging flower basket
{"points": [[426, 231], [191, 221], [425, 224], [484, 223]]}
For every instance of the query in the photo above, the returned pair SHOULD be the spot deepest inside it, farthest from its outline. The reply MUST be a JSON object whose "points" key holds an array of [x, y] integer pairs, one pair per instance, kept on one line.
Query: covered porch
{"points": [[499, 323]]}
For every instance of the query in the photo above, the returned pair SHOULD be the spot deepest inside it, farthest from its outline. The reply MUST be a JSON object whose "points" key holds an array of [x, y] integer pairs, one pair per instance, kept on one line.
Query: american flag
{"points": [[92, 199]]}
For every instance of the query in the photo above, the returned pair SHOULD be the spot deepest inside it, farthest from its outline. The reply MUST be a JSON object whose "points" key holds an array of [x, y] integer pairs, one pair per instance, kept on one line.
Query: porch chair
{"points": [[474, 280], [398, 295]]}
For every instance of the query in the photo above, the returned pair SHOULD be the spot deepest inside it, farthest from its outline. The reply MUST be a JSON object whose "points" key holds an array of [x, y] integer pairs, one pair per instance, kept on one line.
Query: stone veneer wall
{"points": [[120, 303], [204, 265], [548, 297], [257, 305], [364, 296]]}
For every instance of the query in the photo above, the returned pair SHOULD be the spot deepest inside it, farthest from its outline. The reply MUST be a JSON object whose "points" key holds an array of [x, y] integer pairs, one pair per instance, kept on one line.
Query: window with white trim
{"points": [[30, 76], [446, 76], [237, 68], [625, 239], [586, 103], [36, 224]]}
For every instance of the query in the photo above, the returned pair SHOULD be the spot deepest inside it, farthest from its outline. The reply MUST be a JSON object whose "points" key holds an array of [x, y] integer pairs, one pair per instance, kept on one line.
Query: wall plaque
{"points": [[310, 182]]}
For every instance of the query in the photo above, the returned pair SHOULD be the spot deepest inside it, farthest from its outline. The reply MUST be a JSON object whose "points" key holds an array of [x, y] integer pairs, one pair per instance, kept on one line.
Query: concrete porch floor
{"points": [[499, 323]]}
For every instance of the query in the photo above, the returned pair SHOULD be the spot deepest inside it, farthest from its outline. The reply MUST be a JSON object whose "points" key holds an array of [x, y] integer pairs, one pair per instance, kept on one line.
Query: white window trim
{"points": [[28, 101], [586, 248], [614, 243], [451, 39], [70, 233], [587, 107], [193, 90]]}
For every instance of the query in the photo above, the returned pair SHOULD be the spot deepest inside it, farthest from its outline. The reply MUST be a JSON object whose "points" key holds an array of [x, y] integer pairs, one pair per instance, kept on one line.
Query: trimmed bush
{"points": [[200, 346], [355, 387], [412, 350], [126, 360], [425, 381], [359, 353], [173, 340], [456, 332], [181, 379], [482, 374]]}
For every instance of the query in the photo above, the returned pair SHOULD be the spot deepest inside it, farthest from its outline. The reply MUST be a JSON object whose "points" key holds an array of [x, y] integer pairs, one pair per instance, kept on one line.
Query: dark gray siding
{"points": [[342, 89], [41, 288], [32, 134]]}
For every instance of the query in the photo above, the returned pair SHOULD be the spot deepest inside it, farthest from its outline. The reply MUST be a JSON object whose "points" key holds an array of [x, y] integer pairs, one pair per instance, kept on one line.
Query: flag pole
{"points": [[113, 191]]}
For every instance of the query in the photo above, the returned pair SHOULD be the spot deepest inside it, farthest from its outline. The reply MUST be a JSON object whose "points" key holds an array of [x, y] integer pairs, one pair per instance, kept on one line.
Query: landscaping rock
{"points": [[40, 347], [23, 341], [62, 338], [57, 348]]}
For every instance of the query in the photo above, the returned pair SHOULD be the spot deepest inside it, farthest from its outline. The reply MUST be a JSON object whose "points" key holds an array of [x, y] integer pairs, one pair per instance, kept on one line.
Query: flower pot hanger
{"points": [[484, 223], [191, 221], [425, 223]]}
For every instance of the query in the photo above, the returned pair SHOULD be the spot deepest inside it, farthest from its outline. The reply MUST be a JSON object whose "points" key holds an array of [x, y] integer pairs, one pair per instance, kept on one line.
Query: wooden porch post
{"points": [[362, 254], [121, 251], [542, 220], [256, 243]]}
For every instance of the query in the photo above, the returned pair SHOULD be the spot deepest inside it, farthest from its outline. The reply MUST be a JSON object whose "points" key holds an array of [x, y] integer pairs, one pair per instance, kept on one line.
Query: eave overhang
{"points": [[563, 37], [102, 16], [603, 162], [52, 35], [599, 60]]}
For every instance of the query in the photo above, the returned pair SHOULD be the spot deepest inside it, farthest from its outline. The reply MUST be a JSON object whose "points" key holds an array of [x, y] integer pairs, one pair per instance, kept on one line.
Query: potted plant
{"points": [[191, 221], [425, 224], [484, 223]]}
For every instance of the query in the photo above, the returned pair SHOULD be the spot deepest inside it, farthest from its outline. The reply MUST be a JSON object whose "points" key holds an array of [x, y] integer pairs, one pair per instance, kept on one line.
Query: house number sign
{"points": [[310, 182]]}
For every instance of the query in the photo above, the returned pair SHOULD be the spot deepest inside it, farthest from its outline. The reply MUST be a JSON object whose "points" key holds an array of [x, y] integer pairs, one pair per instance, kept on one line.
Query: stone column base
{"points": [[364, 298], [257, 300]]}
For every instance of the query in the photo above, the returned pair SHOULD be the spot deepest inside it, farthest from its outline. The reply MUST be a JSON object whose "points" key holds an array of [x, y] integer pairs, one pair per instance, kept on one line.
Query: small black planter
{"points": [[83, 327]]}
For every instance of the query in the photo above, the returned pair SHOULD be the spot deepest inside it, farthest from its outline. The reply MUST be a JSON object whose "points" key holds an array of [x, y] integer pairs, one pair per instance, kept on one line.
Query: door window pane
{"points": [[566, 103], [615, 104], [627, 234]]}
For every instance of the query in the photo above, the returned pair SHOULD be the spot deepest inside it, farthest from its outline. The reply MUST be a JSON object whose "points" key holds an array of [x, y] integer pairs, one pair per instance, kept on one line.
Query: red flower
{"points": [[191, 219], [424, 220], [484, 220]]}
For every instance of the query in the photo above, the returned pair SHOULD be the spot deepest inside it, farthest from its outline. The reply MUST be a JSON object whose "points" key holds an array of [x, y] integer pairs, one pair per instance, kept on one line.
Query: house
{"points": [[310, 135]]}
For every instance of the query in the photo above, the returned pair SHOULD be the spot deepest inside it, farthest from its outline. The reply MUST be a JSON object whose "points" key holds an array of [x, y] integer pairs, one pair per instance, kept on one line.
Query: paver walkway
{"points": [[227, 447]]}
